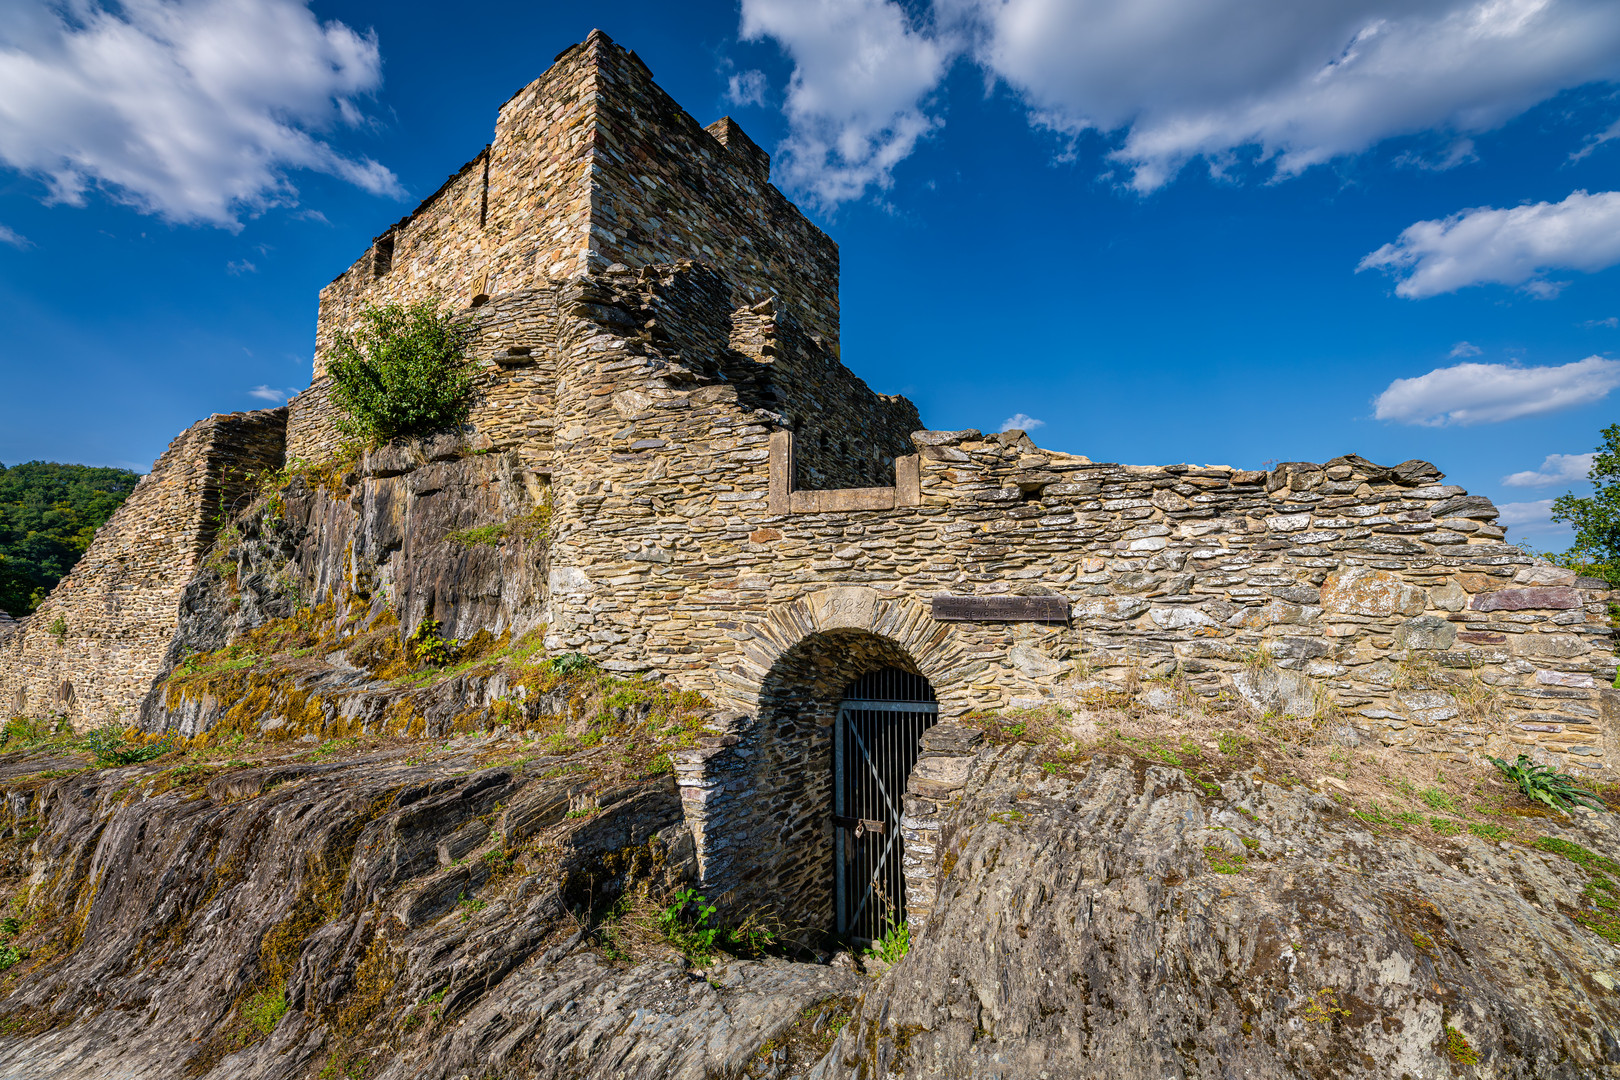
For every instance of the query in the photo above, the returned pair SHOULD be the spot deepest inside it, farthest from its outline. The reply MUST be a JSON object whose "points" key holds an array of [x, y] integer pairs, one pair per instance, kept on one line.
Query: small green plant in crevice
{"points": [[1459, 1050], [892, 947], [58, 628], [1323, 1006], [1222, 861], [1546, 785], [469, 906], [1486, 831], [403, 372], [479, 536], [688, 924], [573, 663]]}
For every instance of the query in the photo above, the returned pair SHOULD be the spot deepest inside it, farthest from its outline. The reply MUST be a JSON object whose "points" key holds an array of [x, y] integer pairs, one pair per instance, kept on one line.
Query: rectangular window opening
{"points": [[382, 255]]}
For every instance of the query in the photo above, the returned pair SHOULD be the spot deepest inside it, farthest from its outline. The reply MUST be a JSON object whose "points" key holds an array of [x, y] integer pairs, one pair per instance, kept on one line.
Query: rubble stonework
{"points": [[734, 510], [92, 649]]}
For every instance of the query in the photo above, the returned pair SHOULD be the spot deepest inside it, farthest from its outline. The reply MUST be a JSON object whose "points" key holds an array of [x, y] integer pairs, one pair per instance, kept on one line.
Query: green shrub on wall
{"points": [[404, 372]]}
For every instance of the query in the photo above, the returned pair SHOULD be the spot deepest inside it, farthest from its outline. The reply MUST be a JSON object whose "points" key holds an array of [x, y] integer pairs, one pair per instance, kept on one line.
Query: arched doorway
{"points": [[875, 745]]}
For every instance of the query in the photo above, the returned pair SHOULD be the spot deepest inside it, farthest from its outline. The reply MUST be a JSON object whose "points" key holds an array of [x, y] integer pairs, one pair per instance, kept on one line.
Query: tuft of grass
{"points": [[1544, 784], [1222, 861], [1457, 1046], [1489, 832], [1436, 799], [264, 1010], [110, 745]]}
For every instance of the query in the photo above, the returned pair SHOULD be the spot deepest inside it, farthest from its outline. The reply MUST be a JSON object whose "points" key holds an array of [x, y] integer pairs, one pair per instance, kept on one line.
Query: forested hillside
{"points": [[49, 513]]}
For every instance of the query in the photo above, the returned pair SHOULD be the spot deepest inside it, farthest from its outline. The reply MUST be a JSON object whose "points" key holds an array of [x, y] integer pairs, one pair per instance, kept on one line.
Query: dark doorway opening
{"points": [[875, 744]]}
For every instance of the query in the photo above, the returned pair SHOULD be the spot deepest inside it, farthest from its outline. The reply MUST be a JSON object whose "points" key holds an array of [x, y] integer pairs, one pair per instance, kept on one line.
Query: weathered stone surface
{"points": [[1043, 957], [1364, 591], [1034, 663], [1426, 632], [1547, 599], [1449, 597], [1546, 575], [1276, 691]]}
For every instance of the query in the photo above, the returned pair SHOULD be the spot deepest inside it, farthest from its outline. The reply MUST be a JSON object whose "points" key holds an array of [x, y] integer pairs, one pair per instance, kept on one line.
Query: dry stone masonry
{"points": [[92, 649], [734, 510]]}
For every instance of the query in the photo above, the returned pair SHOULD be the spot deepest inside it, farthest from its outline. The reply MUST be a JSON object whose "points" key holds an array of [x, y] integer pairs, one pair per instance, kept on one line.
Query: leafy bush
{"points": [[1546, 785], [425, 646], [11, 956], [110, 746], [405, 372]]}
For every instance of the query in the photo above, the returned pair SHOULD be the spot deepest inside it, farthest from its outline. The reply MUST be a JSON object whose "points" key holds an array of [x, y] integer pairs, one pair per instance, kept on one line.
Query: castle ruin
{"points": [[734, 510]]}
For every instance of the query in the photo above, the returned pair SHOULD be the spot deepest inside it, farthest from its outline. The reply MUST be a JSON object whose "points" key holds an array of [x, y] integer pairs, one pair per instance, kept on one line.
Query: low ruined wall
{"points": [[118, 608], [1381, 591]]}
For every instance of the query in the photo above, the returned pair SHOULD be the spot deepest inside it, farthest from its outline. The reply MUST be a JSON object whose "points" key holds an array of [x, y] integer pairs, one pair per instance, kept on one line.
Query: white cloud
{"points": [[271, 393], [240, 267], [14, 238], [854, 104], [746, 88], [1173, 80], [1510, 247], [1020, 422], [1538, 512], [1609, 134], [1464, 348], [1556, 469], [1488, 393], [1303, 82], [194, 110], [1612, 323]]}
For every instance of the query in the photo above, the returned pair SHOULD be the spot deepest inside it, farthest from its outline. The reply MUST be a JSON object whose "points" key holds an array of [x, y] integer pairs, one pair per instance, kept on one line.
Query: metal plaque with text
{"points": [[1001, 609]]}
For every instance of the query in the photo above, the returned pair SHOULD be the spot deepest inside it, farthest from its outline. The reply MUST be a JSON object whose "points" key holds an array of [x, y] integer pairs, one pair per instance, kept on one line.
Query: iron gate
{"points": [[880, 720]]}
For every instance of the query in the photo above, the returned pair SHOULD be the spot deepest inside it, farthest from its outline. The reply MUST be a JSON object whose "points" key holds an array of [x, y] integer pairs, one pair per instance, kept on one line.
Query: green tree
{"points": [[404, 372], [1596, 518], [49, 513]]}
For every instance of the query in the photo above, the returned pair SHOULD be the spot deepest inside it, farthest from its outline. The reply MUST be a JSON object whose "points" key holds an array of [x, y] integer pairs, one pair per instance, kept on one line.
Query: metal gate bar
{"points": [[875, 745]]}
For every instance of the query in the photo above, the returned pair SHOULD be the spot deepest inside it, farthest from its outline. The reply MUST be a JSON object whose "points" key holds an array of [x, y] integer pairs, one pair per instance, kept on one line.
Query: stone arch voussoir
{"points": [[940, 655]]}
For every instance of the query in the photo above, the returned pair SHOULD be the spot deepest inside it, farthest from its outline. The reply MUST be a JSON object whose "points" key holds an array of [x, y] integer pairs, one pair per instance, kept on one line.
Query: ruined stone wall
{"points": [[1393, 593], [119, 606], [666, 189], [847, 436], [592, 164]]}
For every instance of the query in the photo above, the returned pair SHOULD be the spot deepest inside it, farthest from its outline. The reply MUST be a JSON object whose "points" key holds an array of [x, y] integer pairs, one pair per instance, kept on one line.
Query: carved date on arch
{"points": [[1001, 609]]}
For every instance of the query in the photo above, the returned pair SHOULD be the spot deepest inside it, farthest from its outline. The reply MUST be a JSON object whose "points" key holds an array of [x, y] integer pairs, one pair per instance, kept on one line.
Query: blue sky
{"points": [[1143, 232]]}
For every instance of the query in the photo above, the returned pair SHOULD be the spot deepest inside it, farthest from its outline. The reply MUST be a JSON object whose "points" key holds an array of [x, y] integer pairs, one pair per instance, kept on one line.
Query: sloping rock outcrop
{"points": [[411, 912], [1116, 917]]}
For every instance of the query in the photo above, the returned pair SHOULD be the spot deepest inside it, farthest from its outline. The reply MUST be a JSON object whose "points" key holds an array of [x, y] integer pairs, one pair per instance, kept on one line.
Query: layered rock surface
{"points": [[428, 912], [365, 894], [1125, 920]]}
